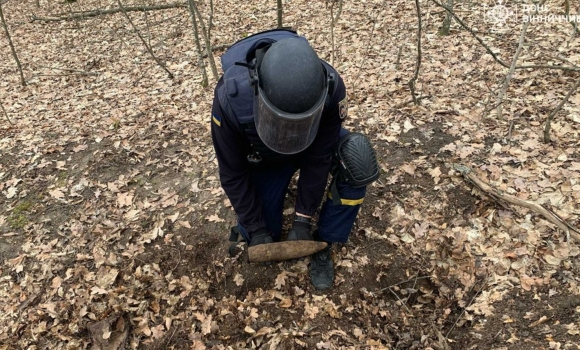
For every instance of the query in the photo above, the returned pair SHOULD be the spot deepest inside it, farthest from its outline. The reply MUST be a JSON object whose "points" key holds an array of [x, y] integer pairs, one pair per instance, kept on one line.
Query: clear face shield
{"points": [[287, 133]]}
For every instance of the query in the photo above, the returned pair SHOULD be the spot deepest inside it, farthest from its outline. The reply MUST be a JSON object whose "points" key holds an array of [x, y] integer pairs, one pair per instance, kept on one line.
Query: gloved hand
{"points": [[300, 229], [261, 236]]}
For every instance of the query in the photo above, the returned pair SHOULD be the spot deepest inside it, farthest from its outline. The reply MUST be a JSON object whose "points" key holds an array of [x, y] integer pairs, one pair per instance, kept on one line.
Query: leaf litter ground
{"points": [[113, 226]]}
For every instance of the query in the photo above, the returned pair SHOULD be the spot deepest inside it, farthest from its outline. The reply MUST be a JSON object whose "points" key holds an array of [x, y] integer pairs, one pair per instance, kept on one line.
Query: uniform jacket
{"points": [[232, 108]]}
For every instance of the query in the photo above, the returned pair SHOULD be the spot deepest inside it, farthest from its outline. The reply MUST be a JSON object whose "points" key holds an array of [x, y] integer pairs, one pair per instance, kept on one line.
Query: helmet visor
{"points": [[286, 133]]}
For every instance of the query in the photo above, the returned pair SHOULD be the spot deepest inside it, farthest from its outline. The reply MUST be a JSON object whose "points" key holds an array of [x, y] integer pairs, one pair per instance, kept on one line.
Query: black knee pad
{"points": [[355, 162]]}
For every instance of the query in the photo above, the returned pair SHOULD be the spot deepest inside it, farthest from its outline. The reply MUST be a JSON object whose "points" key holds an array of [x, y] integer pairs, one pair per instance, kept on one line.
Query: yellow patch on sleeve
{"points": [[217, 120]]}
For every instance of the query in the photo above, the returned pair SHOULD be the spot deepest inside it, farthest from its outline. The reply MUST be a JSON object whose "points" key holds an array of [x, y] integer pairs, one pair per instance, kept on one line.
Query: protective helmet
{"points": [[290, 94]]}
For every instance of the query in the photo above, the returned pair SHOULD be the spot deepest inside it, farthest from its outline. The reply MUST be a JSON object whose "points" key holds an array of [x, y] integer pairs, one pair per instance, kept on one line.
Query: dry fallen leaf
{"points": [[239, 279], [285, 303], [214, 218]]}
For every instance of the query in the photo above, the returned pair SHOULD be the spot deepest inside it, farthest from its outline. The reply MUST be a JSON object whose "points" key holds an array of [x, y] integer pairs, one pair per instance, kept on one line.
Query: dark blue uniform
{"points": [[257, 191]]}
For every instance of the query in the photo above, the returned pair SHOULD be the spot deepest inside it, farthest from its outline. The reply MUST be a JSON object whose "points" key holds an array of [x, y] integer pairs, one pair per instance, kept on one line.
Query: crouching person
{"points": [[277, 109]]}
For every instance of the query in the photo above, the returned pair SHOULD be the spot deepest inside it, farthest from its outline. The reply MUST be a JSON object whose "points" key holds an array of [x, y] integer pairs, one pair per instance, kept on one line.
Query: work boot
{"points": [[300, 229], [322, 269]]}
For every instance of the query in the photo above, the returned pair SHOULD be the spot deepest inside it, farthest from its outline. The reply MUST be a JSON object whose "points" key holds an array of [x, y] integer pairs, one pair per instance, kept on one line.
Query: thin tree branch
{"points": [[510, 73], [418, 62], [210, 19], [207, 41], [22, 80], [144, 42], [99, 12], [6, 115], [333, 20], [548, 126], [279, 11], [201, 64], [508, 77]]}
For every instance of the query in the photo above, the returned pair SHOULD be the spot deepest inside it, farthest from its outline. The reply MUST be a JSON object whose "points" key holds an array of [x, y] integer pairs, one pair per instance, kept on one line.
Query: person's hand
{"points": [[300, 230], [261, 236]]}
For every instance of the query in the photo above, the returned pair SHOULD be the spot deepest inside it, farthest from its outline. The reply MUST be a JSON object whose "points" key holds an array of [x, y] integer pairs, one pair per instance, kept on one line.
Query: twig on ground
{"points": [[81, 72], [161, 64], [95, 13], [6, 114], [499, 195], [178, 261], [419, 98], [548, 126], [510, 133], [462, 312], [402, 303], [398, 62], [172, 334], [417, 277]]}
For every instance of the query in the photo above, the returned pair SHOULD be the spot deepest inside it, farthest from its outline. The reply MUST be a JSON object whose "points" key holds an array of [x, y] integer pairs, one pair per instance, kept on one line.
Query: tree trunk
{"points": [[22, 80]]}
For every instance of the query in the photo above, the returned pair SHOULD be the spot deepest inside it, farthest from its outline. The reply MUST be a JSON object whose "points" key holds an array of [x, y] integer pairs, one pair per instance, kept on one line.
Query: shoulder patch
{"points": [[217, 119], [343, 107]]}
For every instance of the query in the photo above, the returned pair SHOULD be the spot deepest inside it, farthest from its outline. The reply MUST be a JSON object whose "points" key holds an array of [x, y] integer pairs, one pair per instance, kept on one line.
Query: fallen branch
{"points": [[499, 195], [95, 13], [548, 126], [77, 71]]}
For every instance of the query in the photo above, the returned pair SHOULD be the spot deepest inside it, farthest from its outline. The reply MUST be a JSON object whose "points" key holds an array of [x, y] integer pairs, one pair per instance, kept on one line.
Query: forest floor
{"points": [[114, 228]]}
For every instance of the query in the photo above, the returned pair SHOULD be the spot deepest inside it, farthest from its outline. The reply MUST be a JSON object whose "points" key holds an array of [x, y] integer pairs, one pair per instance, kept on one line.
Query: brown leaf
{"points": [[239, 280], [285, 303], [214, 218]]}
